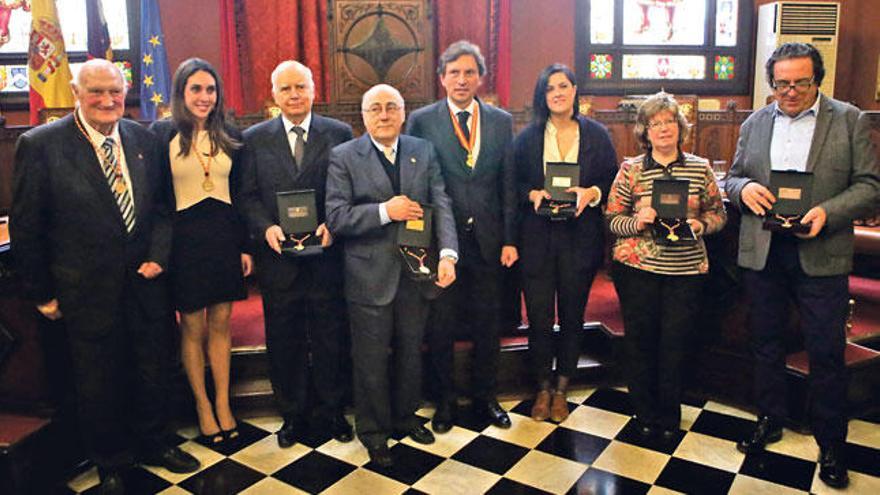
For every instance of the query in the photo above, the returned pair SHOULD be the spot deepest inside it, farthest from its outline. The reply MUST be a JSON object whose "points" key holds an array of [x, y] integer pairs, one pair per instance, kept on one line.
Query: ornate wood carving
{"points": [[388, 41]]}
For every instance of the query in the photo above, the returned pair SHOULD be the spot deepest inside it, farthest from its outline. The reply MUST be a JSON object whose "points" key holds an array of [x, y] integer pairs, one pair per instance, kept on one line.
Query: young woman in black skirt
{"points": [[208, 261]]}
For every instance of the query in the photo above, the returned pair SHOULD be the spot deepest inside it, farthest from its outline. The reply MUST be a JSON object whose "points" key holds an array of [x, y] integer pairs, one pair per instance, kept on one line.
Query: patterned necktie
{"points": [[463, 123], [389, 153], [299, 148], [117, 183]]}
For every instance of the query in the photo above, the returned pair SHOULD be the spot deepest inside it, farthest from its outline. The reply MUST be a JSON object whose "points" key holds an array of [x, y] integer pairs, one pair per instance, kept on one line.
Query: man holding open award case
{"points": [[825, 142], [297, 266]]}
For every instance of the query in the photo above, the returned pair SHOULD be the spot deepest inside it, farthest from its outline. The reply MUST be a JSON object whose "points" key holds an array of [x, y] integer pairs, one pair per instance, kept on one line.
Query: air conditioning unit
{"points": [[817, 23]]}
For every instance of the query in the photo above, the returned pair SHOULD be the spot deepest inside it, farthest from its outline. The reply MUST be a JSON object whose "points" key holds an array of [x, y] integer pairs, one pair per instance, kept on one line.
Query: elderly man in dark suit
{"points": [[90, 219], [302, 296], [810, 132], [374, 183], [472, 141]]}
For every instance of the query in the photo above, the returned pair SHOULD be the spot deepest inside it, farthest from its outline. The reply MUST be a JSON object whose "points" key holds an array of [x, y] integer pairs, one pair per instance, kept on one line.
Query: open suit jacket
{"points": [[485, 193], [269, 169], [356, 185], [846, 183], [598, 166], [70, 239]]}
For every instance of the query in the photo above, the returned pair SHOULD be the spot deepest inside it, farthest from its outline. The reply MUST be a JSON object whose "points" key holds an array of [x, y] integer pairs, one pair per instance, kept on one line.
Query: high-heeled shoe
{"points": [[211, 438]]}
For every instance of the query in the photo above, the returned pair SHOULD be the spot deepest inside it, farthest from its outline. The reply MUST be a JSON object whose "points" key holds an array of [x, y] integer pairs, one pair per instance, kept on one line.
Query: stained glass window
{"points": [[724, 68], [630, 46], [664, 22], [664, 67], [602, 20], [601, 65], [725, 22], [72, 14]]}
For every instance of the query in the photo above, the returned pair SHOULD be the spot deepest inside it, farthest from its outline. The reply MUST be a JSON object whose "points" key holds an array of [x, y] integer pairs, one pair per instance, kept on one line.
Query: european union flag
{"points": [[155, 80]]}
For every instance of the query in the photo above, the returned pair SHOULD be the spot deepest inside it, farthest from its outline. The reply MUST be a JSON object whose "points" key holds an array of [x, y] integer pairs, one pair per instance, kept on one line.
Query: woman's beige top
{"points": [[188, 175]]}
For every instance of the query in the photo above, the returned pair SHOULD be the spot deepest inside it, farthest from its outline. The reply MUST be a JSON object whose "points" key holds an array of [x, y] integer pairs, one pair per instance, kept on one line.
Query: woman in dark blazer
{"points": [[201, 151], [559, 258]]}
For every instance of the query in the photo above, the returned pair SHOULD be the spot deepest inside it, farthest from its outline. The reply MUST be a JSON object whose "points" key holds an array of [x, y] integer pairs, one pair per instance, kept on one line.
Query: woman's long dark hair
{"points": [[184, 120], [540, 110]]}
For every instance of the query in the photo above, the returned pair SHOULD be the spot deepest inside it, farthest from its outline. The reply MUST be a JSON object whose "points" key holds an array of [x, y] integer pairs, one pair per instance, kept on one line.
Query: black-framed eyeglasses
{"points": [[801, 85]]}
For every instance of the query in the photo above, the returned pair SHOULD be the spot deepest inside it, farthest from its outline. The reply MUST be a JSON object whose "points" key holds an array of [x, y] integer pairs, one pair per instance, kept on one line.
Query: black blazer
{"points": [[485, 193], [598, 162], [165, 131], [268, 168], [70, 241]]}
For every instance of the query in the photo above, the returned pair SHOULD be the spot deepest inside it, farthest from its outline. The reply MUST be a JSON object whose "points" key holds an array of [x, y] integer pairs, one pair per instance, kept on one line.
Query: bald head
{"points": [[382, 107], [293, 90], [100, 94]]}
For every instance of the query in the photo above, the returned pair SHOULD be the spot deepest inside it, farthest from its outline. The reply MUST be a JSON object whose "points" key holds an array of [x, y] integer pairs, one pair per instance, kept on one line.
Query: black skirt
{"points": [[206, 256]]}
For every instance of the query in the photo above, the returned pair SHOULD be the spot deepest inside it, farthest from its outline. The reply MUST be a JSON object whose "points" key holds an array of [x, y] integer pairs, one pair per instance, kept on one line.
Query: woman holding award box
{"points": [[559, 256], [208, 260], [660, 283]]}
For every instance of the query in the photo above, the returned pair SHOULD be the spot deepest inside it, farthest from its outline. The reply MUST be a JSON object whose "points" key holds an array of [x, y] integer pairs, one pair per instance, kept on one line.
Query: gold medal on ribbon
{"points": [[208, 184], [119, 186], [467, 144]]}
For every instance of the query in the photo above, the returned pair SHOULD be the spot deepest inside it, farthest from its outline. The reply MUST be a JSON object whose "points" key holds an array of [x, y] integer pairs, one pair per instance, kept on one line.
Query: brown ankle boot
{"points": [[559, 407], [541, 409]]}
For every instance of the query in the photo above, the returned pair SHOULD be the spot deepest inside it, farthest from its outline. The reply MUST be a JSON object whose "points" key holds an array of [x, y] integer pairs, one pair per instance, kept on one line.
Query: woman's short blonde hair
{"points": [[655, 104]]}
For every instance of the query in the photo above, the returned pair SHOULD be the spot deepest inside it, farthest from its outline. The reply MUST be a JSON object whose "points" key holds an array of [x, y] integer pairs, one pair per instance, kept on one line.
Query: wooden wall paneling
{"points": [[390, 42]]}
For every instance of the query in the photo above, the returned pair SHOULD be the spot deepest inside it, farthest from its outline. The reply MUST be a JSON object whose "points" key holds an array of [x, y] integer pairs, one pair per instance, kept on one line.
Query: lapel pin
{"points": [[140, 156], [412, 160]]}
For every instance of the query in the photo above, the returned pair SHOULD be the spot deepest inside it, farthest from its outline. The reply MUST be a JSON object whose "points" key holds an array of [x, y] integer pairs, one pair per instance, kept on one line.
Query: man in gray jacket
{"points": [[808, 132]]}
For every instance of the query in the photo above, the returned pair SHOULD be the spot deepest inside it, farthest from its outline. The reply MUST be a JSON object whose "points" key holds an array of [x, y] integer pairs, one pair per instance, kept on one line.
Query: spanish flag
{"points": [[48, 70]]}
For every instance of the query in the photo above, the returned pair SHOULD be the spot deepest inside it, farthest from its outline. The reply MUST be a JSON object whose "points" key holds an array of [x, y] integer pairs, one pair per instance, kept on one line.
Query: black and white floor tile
{"points": [[595, 451]]}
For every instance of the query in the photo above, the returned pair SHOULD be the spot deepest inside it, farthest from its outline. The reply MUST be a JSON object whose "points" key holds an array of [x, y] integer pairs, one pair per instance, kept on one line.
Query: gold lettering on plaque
{"points": [[790, 193], [562, 182], [418, 225], [297, 211], [670, 199]]}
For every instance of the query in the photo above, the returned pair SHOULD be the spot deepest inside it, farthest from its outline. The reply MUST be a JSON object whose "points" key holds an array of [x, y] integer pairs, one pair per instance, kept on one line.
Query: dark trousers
{"points": [[659, 314], [306, 330], [387, 393], [471, 302], [822, 304], [121, 381], [564, 289]]}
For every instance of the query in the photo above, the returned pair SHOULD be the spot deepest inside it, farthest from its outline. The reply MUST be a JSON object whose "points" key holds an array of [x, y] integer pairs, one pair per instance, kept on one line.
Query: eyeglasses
{"points": [[376, 110], [801, 85], [661, 123]]}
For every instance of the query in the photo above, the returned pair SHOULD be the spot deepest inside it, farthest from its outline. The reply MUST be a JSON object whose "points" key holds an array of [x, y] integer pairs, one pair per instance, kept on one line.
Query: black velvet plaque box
{"points": [[669, 198], [414, 239], [794, 195], [558, 177], [298, 216]]}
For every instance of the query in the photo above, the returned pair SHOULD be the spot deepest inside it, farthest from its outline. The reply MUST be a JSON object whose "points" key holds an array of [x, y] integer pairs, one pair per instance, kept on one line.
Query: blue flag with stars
{"points": [[155, 83]]}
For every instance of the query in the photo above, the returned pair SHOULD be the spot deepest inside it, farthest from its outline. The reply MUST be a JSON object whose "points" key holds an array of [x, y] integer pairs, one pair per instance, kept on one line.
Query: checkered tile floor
{"points": [[596, 450]]}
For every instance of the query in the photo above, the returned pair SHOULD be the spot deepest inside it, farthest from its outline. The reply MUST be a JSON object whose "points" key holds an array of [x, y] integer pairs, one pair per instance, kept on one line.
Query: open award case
{"points": [[414, 239], [558, 177], [298, 216], [794, 192], [669, 198]]}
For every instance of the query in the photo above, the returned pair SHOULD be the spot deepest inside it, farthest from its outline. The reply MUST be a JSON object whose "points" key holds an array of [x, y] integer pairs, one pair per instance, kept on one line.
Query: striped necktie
{"points": [[117, 183]]}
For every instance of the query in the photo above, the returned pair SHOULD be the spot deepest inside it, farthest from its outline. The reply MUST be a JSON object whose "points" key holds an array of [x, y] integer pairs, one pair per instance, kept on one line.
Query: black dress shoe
{"points": [[174, 460], [111, 484], [644, 429], [443, 418], [289, 432], [493, 411], [381, 456], [768, 430], [419, 434], [340, 429], [832, 469]]}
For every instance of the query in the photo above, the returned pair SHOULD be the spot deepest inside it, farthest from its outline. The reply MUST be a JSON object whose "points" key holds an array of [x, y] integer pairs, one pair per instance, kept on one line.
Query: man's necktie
{"points": [[389, 153], [299, 148], [463, 123], [117, 183]]}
